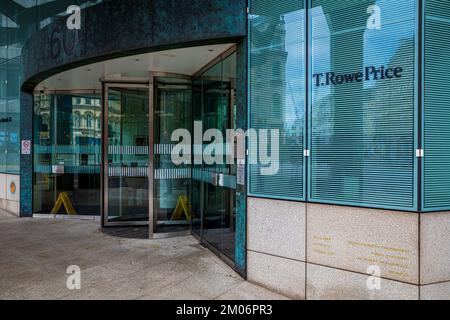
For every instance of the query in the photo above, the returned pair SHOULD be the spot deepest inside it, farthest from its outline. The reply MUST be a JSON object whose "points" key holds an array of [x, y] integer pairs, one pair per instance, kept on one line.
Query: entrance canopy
{"points": [[185, 61]]}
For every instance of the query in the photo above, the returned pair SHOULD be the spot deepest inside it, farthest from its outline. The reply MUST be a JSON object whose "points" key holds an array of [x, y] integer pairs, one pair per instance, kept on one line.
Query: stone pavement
{"points": [[35, 254]]}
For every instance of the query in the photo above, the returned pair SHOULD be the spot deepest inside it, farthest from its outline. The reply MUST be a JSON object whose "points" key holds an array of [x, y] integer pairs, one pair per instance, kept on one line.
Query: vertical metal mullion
{"points": [[151, 212], [55, 145], [190, 120], [420, 101], [232, 168], [308, 122], [123, 169], [308, 98], [420, 82], [202, 183], [102, 152], [105, 167]]}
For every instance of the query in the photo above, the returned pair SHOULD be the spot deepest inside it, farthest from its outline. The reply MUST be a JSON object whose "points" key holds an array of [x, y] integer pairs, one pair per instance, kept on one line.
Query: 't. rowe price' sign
{"points": [[369, 74]]}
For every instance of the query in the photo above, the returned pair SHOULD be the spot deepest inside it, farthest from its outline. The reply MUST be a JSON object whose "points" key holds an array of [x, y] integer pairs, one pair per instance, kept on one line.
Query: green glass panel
{"points": [[362, 125], [3, 106], [437, 106], [10, 116], [277, 92]]}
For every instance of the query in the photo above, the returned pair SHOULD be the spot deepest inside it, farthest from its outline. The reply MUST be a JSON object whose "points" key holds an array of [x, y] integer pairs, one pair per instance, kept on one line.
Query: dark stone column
{"points": [[241, 191], [26, 161]]}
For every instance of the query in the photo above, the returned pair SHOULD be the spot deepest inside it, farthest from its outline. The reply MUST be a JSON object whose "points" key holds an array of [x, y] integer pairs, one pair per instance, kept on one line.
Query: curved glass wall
{"points": [[67, 152], [214, 185], [10, 116], [19, 20]]}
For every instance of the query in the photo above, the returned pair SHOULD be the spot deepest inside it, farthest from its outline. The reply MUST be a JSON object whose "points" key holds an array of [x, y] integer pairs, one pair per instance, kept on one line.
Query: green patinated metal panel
{"points": [[241, 192], [436, 175]]}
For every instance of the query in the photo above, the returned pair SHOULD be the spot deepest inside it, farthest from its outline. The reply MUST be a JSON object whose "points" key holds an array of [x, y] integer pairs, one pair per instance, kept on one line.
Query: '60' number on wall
{"points": [[63, 41]]}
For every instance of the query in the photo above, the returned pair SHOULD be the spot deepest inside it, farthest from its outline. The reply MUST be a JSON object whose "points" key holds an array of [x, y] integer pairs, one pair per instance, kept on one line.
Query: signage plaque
{"points": [[26, 147]]}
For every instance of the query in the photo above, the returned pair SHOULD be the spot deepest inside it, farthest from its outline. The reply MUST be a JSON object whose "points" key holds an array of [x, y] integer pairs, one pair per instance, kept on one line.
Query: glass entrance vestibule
{"points": [[109, 152], [141, 185]]}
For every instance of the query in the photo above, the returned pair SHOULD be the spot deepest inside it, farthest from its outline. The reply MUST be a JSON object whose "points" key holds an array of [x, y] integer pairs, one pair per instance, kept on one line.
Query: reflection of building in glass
{"points": [[68, 136], [20, 20], [86, 121], [379, 115], [269, 71], [276, 76]]}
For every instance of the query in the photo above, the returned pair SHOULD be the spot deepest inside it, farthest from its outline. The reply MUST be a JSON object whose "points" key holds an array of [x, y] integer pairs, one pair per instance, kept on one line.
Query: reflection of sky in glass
{"points": [[321, 46], [29, 3], [295, 73], [380, 45]]}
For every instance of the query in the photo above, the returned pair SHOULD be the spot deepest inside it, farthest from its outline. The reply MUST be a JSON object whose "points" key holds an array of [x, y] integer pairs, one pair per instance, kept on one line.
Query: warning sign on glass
{"points": [[26, 147]]}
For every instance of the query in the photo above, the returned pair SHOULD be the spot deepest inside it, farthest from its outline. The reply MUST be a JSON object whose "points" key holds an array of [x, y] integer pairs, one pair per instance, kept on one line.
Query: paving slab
{"points": [[35, 255]]}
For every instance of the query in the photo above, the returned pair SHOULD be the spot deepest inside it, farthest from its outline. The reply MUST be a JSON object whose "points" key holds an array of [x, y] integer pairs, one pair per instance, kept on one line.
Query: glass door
{"points": [[126, 155], [214, 185], [219, 218], [172, 111]]}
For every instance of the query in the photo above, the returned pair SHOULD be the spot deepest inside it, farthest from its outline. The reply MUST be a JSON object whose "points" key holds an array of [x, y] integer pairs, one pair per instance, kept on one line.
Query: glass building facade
{"points": [[358, 86]]}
